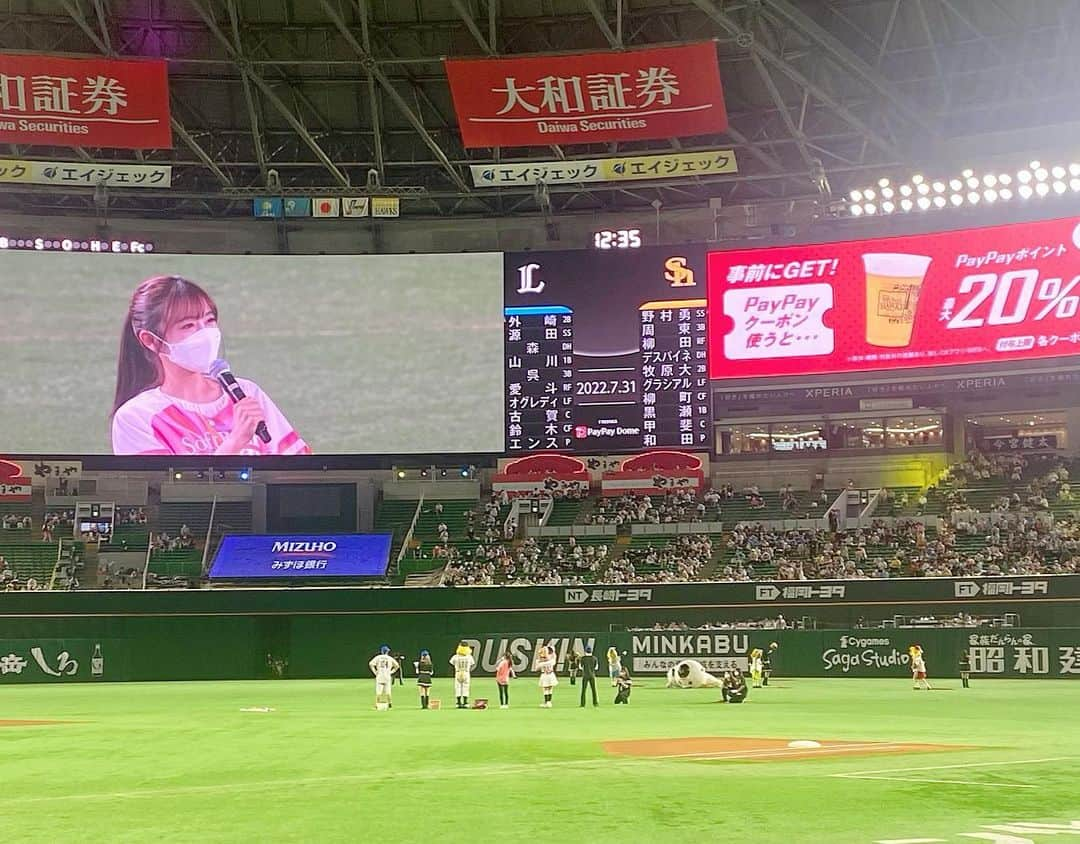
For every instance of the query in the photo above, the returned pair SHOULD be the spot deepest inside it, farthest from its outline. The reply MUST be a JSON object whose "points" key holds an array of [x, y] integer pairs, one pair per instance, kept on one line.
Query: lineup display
{"points": [[606, 351]]}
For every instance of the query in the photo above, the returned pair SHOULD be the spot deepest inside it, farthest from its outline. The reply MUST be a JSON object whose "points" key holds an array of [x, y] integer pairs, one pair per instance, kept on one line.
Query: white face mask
{"points": [[197, 352]]}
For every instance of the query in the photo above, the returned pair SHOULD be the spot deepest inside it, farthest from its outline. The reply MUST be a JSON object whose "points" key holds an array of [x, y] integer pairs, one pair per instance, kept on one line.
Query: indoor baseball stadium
{"points": [[688, 391]]}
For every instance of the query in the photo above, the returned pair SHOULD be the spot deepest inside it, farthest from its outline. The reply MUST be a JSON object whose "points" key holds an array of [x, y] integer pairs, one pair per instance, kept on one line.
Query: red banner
{"points": [[95, 102], [986, 295], [588, 98]]}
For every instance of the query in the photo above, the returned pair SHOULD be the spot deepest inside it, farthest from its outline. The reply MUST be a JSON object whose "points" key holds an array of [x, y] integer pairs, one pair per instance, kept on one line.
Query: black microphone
{"points": [[220, 372]]}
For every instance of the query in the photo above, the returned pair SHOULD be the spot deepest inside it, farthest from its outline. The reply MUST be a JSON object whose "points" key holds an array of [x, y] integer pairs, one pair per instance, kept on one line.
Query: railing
{"points": [[209, 535], [146, 562], [409, 533]]}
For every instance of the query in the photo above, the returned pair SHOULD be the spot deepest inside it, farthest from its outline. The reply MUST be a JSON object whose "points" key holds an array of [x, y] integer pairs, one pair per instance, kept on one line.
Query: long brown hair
{"points": [[154, 305]]}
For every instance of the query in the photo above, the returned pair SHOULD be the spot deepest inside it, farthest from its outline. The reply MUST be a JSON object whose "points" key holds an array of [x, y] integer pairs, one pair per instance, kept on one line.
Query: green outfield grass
{"points": [[181, 762]]}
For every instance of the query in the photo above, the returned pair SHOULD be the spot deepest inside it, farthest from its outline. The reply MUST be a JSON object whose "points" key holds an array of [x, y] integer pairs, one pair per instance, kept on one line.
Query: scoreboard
{"points": [[606, 351]]}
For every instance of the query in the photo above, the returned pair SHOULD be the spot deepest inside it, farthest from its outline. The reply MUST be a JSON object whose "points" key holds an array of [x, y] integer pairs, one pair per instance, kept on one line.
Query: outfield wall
{"points": [[228, 634]]}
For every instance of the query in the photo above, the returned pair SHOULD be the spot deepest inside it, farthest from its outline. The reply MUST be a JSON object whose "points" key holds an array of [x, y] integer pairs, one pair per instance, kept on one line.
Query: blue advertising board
{"points": [[302, 555]]}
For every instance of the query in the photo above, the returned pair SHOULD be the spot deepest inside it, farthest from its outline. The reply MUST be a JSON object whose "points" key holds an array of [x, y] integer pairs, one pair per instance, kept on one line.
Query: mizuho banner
{"points": [[91, 102], [302, 555], [971, 296], [588, 98]]}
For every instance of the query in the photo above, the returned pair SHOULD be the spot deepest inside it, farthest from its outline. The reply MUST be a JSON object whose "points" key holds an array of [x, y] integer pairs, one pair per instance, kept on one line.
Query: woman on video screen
{"points": [[166, 403]]}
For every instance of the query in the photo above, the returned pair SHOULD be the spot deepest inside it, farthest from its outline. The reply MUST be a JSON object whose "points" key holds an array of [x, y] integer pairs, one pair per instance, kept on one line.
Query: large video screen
{"points": [[989, 295], [606, 350], [109, 354]]}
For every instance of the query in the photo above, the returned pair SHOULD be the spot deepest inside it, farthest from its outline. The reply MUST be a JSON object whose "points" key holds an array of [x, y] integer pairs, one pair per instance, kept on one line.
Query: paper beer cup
{"points": [[893, 281]]}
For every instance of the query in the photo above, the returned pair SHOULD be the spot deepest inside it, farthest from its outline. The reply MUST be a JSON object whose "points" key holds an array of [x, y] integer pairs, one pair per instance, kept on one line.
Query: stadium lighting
{"points": [[969, 187], [178, 476], [245, 474], [464, 471], [401, 474]]}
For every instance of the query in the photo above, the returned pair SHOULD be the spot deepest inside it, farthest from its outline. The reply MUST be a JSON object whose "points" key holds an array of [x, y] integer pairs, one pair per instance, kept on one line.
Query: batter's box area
{"points": [[743, 749]]}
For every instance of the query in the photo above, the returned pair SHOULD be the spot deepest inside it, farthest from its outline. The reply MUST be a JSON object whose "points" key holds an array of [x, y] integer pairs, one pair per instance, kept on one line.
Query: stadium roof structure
{"points": [[822, 95]]}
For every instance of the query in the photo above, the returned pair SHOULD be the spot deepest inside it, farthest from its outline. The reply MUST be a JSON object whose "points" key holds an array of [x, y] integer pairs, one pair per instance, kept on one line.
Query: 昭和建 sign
{"points": [[84, 102], [586, 98]]}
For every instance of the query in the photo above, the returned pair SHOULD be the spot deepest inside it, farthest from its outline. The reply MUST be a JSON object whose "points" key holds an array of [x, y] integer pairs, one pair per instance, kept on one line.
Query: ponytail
{"points": [[154, 304]]}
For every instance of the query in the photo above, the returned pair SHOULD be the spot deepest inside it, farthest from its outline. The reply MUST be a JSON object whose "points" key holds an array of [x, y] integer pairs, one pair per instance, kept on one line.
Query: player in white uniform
{"points": [[691, 674], [383, 666], [463, 662]]}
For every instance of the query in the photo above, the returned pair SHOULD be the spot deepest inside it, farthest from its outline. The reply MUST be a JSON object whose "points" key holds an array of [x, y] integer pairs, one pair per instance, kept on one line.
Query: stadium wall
{"points": [[328, 632]]}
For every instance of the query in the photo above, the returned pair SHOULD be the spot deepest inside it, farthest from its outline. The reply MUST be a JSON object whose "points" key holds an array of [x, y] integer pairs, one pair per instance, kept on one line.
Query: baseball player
{"points": [[463, 663], [383, 666]]}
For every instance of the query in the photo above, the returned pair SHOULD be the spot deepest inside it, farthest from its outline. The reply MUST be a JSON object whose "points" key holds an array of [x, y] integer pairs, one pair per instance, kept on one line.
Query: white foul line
{"points": [[435, 773], [874, 775], [922, 780], [962, 765]]}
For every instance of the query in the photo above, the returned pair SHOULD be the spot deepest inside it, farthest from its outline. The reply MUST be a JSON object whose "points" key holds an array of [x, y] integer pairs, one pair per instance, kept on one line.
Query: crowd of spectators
{"points": [[11, 521], [132, 516], [778, 623], [676, 506], [10, 581], [571, 563], [183, 541]]}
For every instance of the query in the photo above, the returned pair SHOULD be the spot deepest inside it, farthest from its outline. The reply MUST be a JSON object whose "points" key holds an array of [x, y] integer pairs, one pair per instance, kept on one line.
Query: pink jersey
{"points": [[502, 672], [155, 423]]}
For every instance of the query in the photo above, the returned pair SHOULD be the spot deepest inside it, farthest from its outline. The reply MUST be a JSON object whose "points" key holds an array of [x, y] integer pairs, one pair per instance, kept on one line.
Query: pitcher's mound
{"points": [[743, 749]]}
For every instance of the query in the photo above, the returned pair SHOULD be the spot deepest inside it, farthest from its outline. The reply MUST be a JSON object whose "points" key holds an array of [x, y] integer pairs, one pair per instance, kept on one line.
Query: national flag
{"points": [[329, 206]]}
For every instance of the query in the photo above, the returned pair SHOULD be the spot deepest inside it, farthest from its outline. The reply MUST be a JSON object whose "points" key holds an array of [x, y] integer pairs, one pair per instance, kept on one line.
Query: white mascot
{"points": [[691, 674]]}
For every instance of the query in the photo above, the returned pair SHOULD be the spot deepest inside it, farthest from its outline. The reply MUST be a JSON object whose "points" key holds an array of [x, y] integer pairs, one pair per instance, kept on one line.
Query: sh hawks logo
{"points": [[677, 274]]}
